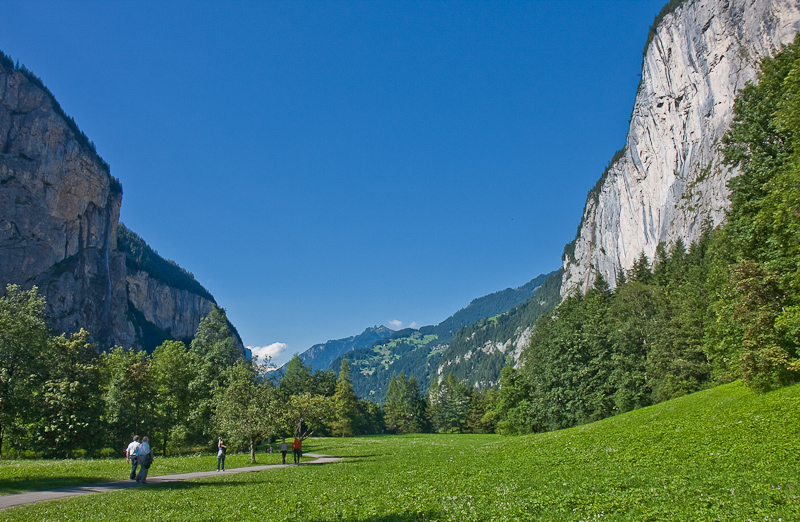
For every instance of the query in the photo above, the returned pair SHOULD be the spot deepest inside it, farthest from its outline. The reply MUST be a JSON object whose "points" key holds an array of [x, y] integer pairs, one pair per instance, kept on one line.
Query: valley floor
{"points": [[721, 454]]}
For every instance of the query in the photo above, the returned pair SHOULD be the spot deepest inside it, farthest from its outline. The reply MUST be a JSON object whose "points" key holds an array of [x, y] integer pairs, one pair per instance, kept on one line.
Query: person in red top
{"points": [[297, 445]]}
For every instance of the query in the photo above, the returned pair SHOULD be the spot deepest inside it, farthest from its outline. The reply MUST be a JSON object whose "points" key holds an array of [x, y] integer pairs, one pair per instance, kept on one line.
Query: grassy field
{"points": [[17, 476], [723, 454]]}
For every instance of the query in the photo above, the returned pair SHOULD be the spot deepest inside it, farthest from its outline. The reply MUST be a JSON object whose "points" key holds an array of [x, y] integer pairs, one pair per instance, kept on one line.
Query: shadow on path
{"points": [[18, 499], [14, 486]]}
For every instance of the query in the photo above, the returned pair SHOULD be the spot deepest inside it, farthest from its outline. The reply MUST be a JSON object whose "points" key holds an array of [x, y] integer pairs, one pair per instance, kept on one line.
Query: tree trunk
{"points": [[252, 451]]}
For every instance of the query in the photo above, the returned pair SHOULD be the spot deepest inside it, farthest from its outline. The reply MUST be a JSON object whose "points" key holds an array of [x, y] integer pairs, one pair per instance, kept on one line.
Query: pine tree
{"points": [[345, 403]]}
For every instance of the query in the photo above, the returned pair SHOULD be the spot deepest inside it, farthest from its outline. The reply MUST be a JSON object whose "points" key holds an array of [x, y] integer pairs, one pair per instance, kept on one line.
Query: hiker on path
{"points": [[297, 445], [284, 449], [130, 455], [221, 454], [145, 457]]}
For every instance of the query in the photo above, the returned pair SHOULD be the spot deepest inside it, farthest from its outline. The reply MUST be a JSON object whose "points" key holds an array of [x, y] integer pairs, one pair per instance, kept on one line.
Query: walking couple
{"points": [[139, 454]]}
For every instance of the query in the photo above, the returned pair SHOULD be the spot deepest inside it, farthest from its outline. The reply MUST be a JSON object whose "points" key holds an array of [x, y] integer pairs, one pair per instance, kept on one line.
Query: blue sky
{"points": [[322, 167]]}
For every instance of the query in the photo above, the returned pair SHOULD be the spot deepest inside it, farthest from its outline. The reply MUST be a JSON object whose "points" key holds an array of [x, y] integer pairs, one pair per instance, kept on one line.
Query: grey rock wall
{"points": [[670, 182], [58, 216], [59, 211]]}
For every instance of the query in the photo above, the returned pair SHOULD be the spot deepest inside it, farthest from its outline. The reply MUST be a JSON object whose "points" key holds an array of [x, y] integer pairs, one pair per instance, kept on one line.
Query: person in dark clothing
{"points": [[221, 454]]}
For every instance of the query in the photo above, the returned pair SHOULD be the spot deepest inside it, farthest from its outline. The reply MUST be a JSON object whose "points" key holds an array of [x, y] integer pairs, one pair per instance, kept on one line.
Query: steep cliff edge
{"points": [[668, 181], [59, 209], [59, 226]]}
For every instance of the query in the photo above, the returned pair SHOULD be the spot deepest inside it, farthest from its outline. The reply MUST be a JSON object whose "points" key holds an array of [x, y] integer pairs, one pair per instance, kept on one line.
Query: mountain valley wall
{"points": [[670, 182], [59, 212]]}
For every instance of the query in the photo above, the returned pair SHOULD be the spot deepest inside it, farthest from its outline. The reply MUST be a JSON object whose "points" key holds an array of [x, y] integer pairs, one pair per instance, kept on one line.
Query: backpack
{"points": [[147, 460]]}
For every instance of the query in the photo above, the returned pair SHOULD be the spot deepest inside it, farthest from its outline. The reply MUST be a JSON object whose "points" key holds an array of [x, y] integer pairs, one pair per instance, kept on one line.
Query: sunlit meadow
{"points": [[722, 454]]}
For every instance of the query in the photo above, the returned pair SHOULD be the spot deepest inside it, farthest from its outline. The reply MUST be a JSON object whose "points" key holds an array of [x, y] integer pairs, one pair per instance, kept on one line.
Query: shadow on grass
{"points": [[351, 457], [400, 517], [26, 485]]}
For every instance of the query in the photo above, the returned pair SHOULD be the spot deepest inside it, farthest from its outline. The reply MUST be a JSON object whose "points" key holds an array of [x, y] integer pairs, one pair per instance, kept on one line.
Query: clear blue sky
{"points": [[322, 167]]}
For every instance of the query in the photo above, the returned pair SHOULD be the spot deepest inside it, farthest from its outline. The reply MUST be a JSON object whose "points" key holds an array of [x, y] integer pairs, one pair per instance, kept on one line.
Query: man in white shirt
{"points": [[130, 455]]}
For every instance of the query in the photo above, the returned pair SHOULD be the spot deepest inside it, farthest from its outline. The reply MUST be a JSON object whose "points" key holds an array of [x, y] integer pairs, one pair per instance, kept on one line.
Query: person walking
{"points": [[130, 455], [145, 457], [284, 449], [221, 454], [297, 445]]}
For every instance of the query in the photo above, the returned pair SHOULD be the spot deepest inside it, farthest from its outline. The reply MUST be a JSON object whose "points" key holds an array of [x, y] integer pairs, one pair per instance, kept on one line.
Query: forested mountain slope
{"points": [[418, 352], [477, 353], [320, 356]]}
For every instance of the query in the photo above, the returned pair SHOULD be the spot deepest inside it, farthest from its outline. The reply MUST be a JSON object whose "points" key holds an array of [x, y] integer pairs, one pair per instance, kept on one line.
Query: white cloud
{"points": [[394, 324], [278, 353]]}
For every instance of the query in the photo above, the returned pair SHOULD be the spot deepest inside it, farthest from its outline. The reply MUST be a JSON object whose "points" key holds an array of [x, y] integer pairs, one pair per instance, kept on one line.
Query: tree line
{"points": [[60, 397]]}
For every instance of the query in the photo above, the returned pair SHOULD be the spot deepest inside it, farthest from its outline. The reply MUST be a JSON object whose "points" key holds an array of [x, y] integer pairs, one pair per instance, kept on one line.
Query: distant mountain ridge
{"points": [[320, 356], [418, 352]]}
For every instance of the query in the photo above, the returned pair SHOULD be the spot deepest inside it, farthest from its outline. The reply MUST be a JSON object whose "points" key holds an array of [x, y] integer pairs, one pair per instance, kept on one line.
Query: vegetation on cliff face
{"points": [[139, 256]]}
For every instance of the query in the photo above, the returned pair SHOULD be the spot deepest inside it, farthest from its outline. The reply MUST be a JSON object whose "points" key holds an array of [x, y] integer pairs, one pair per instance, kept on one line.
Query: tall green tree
{"points": [[70, 406], [404, 409], [306, 414], [250, 408], [172, 367], [345, 403], [764, 224], [449, 405], [23, 340], [128, 394], [215, 352]]}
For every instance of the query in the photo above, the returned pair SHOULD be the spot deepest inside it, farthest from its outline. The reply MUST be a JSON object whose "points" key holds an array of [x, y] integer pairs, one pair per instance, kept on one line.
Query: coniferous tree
{"points": [[448, 405], [214, 352], [345, 403]]}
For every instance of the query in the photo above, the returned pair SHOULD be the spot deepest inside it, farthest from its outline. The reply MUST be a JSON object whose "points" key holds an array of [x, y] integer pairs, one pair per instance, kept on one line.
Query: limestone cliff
{"points": [[668, 182], [59, 216]]}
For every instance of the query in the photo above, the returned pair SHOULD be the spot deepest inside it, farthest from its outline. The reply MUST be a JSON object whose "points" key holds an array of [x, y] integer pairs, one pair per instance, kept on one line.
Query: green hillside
{"points": [[473, 354], [418, 352], [320, 356], [722, 454]]}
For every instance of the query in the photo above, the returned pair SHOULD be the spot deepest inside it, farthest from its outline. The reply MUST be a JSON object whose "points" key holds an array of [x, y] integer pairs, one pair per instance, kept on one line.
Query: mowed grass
{"points": [[722, 454]]}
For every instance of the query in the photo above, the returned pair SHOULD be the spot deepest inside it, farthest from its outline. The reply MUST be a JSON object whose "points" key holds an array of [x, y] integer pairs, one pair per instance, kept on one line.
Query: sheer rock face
{"points": [[172, 310], [670, 182], [59, 210]]}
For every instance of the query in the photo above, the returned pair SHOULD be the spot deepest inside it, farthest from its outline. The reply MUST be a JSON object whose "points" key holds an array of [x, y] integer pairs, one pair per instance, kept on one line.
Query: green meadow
{"points": [[722, 454]]}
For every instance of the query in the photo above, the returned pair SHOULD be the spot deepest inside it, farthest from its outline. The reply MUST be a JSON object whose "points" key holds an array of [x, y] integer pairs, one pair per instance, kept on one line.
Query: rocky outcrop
{"points": [[59, 219], [669, 182], [172, 310]]}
